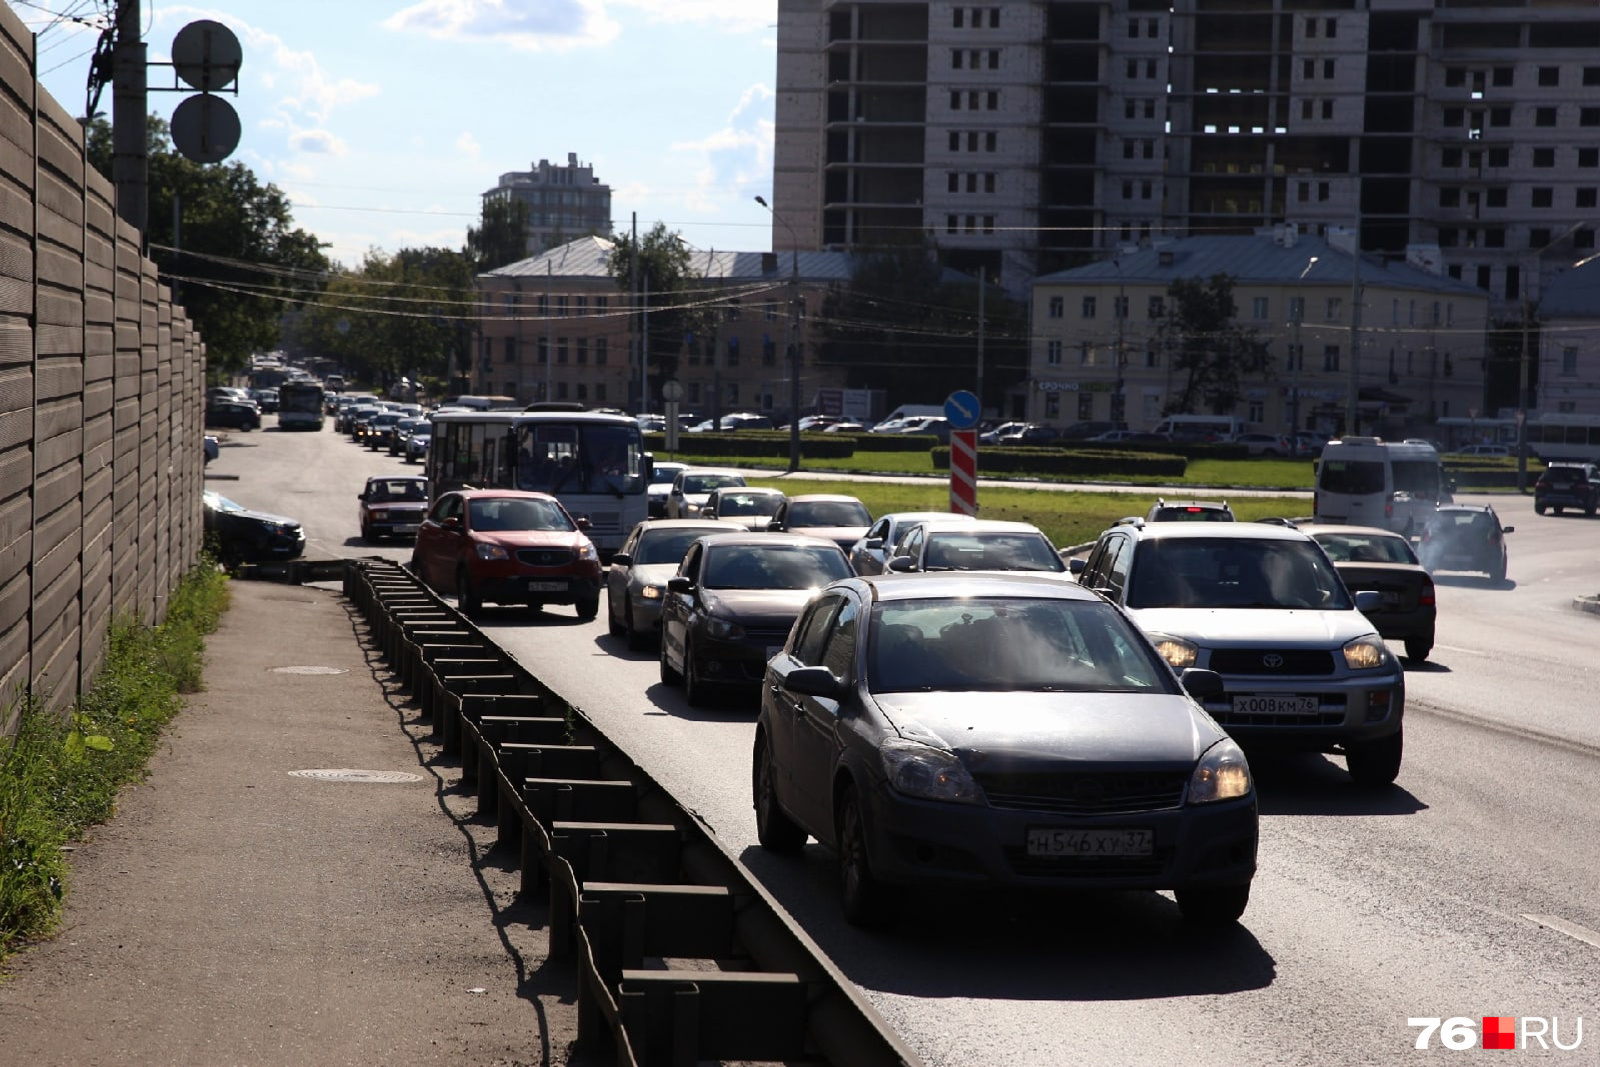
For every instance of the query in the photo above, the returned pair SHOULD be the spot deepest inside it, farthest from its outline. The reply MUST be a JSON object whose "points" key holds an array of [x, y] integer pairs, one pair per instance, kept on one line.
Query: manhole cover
{"points": [[346, 774], [308, 670]]}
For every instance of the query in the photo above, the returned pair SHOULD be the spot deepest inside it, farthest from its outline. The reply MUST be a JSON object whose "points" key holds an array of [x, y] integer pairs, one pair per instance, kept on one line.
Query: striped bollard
{"points": [[964, 472]]}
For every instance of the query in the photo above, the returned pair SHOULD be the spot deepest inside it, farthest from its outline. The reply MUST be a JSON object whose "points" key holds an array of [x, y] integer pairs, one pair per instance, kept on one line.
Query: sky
{"points": [[384, 121]]}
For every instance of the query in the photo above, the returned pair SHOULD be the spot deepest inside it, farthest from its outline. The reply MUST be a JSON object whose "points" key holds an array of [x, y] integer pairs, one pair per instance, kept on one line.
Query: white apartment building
{"points": [[564, 202]]}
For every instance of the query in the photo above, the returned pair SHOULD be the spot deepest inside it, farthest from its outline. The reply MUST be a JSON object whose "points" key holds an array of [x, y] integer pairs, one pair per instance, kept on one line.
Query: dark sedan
{"points": [[839, 518], [242, 535], [1465, 537], [234, 415], [392, 507], [1001, 731], [730, 606], [1370, 558]]}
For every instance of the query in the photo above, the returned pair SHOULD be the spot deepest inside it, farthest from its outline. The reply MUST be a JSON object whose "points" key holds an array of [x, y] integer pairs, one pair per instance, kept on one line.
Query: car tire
{"points": [[613, 624], [1590, 510], [1497, 573], [1557, 508], [867, 901], [588, 607], [1417, 648], [637, 640], [1376, 763], [1538, 509], [668, 675], [774, 830], [694, 687], [1213, 905], [466, 596]]}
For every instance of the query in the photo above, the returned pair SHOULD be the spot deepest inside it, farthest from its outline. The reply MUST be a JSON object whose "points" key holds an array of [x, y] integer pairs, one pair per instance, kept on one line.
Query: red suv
{"points": [[507, 547]]}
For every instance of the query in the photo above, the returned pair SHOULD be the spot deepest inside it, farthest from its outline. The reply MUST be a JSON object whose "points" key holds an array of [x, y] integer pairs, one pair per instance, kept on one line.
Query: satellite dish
{"points": [[205, 128], [206, 55]]}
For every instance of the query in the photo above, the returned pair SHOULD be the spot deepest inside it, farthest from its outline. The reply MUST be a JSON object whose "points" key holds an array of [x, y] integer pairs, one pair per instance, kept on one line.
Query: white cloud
{"points": [[320, 142], [527, 25], [735, 15], [468, 146], [734, 157]]}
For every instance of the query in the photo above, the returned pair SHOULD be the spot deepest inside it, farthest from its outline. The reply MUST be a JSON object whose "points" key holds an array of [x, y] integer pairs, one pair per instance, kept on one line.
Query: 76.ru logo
{"points": [[1499, 1031]]}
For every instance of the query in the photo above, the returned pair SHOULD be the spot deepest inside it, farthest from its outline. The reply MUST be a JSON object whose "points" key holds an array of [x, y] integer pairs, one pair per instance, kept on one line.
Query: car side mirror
{"points": [[452, 523], [873, 544], [583, 523], [775, 526], [1368, 600], [680, 583], [902, 565], [361, 496], [1509, 529], [1201, 684], [815, 682], [1077, 564], [621, 559]]}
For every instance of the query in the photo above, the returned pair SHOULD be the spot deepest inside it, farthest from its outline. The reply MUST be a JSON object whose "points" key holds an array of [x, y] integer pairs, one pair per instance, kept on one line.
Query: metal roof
{"points": [[587, 257], [1574, 293], [1253, 260]]}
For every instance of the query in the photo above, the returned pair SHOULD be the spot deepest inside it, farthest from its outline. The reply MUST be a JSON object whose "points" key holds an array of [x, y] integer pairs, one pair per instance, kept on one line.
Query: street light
{"points": [[1299, 348], [794, 346]]}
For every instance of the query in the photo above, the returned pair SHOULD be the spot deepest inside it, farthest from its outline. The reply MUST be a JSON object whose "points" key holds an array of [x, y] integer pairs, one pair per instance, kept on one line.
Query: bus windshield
{"points": [[576, 457]]}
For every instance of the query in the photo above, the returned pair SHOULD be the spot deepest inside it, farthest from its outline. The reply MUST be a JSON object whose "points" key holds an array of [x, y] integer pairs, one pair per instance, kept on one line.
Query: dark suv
{"points": [[1567, 485]]}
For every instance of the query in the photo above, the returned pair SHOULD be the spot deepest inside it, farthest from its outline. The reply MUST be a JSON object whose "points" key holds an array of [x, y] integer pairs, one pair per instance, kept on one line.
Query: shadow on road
{"points": [[1306, 783], [1473, 581]]}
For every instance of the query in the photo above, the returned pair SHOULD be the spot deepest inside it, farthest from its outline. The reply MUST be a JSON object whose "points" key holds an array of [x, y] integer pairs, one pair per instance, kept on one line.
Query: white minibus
{"points": [[1367, 481]]}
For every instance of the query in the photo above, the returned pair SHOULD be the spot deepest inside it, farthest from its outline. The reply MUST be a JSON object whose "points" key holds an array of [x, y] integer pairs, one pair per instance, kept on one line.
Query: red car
{"points": [[506, 547]]}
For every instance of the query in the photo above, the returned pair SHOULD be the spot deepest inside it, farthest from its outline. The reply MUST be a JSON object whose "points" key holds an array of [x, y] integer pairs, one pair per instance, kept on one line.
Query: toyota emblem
{"points": [[1272, 661]]}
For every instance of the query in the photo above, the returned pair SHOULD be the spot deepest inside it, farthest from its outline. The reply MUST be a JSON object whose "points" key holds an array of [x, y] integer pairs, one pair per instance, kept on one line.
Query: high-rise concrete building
{"points": [[1031, 135], [564, 202]]}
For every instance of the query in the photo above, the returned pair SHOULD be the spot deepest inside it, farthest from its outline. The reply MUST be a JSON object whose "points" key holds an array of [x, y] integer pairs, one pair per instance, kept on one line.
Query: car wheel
{"points": [[637, 640], [1538, 509], [1497, 573], [366, 535], [775, 830], [1378, 762], [466, 596], [613, 624], [1417, 648], [1213, 905], [1590, 510], [1557, 508], [668, 675], [866, 900], [694, 687], [588, 607]]}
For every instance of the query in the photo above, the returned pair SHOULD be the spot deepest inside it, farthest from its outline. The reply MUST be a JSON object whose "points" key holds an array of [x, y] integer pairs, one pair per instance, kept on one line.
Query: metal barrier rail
{"points": [[682, 956]]}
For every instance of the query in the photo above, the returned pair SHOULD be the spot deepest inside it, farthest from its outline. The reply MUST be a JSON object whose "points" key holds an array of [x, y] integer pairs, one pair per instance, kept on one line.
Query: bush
{"points": [[1084, 463], [892, 442], [754, 443], [60, 773]]}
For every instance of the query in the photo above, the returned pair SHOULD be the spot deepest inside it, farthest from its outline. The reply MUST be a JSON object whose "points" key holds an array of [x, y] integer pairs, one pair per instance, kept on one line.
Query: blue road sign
{"points": [[962, 409]]}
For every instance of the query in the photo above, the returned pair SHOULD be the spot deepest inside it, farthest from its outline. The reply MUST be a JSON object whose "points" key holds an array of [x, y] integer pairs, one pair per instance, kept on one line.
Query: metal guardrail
{"points": [[682, 956]]}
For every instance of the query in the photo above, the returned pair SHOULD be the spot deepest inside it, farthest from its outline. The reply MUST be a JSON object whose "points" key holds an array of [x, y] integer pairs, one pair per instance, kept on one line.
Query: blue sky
{"points": [[384, 121]]}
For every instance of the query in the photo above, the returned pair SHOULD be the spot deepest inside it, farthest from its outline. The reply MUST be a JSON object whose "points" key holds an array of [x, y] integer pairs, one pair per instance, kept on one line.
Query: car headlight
{"points": [[378, 515], [587, 552], [490, 551], [1366, 653], [723, 629], [917, 770], [691, 507], [1222, 774], [1176, 651], [650, 592]]}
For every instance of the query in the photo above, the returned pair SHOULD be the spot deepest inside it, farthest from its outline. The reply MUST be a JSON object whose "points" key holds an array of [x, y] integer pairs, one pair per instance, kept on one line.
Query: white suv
{"points": [[1302, 667]]}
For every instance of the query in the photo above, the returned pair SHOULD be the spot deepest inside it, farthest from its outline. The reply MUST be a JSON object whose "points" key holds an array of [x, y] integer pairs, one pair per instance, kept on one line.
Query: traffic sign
{"points": [[964, 471], [963, 410]]}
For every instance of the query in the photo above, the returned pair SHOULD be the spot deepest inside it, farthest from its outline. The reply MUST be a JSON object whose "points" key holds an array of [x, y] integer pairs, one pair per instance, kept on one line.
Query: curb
{"points": [[1591, 604]]}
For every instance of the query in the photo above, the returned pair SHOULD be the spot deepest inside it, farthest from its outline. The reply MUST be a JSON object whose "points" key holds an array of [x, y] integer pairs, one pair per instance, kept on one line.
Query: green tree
{"points": [[501, 236], [909, 326], [678, 311], [242, 260], [1206, 344]]}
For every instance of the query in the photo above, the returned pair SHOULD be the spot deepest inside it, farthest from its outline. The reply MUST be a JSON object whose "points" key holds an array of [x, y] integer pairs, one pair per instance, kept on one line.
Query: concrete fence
{"points": [[102, 386]]}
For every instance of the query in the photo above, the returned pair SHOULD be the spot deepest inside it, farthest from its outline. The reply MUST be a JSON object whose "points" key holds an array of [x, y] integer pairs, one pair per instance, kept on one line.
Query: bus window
{"points": [[613, 460], [547, 458]]}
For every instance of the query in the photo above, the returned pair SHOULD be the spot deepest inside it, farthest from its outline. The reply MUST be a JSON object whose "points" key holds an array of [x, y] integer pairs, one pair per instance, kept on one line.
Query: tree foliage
{"points": [[1206, 344], [242, 259], [409, 314], [501, 236], [907, 325], [679, 312]]}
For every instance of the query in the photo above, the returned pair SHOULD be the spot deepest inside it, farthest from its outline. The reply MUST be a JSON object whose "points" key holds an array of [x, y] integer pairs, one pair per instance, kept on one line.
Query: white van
{"points": [[905, 413], [1367, 481], [1200, 427]]}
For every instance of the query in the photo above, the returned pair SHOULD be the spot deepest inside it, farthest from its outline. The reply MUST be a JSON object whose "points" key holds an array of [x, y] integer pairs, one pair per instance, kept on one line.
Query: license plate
{"points": [[537, 586], [406, 527], [1276, 704], [1048, 842], [1390, 600]]}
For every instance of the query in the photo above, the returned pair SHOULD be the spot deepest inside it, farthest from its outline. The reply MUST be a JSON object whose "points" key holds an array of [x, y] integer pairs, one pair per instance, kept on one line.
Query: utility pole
{"points": [[716, 348], [1353, 387], [129, 105], [549, 338], [794, 338], [983, 283]]}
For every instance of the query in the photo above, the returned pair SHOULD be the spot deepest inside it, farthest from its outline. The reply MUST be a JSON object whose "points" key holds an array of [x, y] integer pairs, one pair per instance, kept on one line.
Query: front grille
{"points": [[1087, 866], [1262, 661], [546, 557], [604, 521], [772, 635], [1229, 717], [1085, 794]]}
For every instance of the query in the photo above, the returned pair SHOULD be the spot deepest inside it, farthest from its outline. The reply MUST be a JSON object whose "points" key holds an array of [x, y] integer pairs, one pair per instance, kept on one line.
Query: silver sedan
{"points": [[637, 578]]}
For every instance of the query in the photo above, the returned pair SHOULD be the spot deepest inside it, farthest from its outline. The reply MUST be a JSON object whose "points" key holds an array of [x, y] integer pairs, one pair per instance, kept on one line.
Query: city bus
{"points": [[594, 463], [300, 405]]}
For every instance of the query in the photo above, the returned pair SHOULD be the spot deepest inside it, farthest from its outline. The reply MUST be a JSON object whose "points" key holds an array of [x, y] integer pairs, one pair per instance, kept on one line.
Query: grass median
{"points": [[60, 773]]}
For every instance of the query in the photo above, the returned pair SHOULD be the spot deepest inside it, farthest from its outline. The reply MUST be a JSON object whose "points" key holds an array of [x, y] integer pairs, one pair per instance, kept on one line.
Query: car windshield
{"points": [[829, 513], [1234, 573], [704, 483], [1191, 513], [1564, 475], [665, 546], [1420, 478], [388, 490], [663, 474], [512, 513], [1366, 548], [748, 503], [1008, 644], [222, 503], [990, 552], [774, 567], [1357, 477], [1458, 523]]}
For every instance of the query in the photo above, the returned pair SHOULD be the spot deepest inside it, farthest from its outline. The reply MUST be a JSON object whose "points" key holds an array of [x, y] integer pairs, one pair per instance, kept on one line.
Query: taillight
{"points": [[1388, 509], [1426, 597]]}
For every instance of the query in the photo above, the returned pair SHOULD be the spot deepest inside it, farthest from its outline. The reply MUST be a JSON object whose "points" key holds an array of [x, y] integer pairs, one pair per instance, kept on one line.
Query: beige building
{"points": [[556, 327], [1565, 378], [1419, 338]]}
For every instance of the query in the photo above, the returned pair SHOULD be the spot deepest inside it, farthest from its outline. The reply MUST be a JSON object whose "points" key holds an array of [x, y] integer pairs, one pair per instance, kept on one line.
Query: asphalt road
{"points": [[1470, 889]]}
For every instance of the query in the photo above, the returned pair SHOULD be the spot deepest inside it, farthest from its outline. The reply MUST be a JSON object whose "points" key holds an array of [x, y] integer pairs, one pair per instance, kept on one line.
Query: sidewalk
{"points": [[234, 913]]}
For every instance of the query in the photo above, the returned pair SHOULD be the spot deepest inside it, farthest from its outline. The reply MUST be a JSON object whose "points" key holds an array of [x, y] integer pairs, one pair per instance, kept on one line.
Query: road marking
{"points": [[1572, 930], [1468, 651]]}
